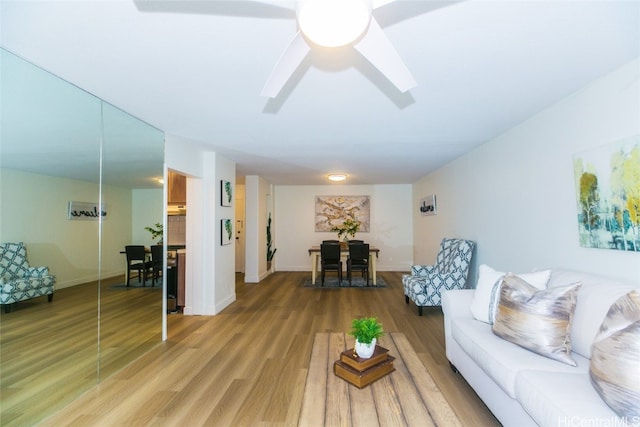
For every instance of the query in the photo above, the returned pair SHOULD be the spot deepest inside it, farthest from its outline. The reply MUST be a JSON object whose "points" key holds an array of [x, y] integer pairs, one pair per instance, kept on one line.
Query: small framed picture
{"points": [[226, 193], [428, 205], [226, 231]]}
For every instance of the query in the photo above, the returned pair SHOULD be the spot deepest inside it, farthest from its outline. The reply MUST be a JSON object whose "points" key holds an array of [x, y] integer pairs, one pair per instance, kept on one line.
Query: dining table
{"points": [[314, 252]]}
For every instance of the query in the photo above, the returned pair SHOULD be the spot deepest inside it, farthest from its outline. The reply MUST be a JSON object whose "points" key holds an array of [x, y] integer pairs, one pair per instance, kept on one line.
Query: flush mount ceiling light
{"points": [[333, 23], [337, 177], [337, 23]]}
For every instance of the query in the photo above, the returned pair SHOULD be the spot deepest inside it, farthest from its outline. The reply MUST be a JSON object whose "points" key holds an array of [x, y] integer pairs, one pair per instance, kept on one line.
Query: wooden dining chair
{"points": [[157, 262], [137, 261], [330, 260], [358, 260]]}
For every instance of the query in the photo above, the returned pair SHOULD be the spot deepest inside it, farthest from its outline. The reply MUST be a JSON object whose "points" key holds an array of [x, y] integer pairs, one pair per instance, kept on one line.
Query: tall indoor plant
{"points": [[270, 250], [156, 231]]}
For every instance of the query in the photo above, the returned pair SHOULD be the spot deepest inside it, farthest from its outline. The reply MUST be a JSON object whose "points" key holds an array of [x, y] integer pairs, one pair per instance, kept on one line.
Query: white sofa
{"points": [[520, 387]]}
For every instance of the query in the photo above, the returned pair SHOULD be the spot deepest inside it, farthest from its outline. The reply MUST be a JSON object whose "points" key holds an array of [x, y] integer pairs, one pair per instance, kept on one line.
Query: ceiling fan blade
{"points": [[377, 48], [287, 4], [286, 65], [380, 3]]}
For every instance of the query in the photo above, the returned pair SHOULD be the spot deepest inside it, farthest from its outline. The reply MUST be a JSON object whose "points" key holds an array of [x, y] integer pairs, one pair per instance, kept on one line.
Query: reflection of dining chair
{"points": [[157, 262], [358, 260], [137, 261], [330, 260]]}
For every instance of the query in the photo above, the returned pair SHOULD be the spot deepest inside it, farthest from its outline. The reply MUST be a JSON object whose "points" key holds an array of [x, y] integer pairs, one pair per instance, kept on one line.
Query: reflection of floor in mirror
{"points": [[247, 365], [48, 351]]}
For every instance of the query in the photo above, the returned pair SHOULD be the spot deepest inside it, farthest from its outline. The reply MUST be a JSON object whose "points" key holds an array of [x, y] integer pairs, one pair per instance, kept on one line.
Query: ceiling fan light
{"points": [[337, 177], [333, 23]]}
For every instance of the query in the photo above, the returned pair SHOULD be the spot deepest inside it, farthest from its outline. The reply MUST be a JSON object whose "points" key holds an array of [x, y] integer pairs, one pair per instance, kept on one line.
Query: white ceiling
{"points": [[196, 68]]}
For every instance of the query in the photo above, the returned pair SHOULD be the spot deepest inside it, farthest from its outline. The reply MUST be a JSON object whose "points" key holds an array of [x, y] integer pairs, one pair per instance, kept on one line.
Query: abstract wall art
{"points": [[607, 182]]}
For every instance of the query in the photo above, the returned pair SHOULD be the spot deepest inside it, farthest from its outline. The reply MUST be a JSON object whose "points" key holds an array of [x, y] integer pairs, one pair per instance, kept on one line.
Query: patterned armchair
{"points": [[19, 281], [426, 282]]}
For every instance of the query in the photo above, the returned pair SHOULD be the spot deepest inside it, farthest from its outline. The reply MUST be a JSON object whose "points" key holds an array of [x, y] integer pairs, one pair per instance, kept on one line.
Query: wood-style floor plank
{"points": [[248, 365]]}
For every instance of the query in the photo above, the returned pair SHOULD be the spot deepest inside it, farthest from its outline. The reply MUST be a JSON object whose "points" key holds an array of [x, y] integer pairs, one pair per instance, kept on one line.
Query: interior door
{"points": [[240, 218]]}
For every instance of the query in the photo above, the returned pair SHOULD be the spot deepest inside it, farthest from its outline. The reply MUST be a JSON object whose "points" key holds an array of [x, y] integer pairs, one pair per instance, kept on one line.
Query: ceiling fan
{"points": [[338, 23]]}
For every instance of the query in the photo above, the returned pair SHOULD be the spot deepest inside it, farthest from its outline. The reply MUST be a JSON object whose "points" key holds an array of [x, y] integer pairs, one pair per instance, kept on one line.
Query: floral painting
{"points": [[332, 211], [607, 183]]}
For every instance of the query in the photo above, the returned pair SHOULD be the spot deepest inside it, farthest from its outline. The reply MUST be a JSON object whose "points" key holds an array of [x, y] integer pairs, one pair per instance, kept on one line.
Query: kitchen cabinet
{"points": [[177, 189]]}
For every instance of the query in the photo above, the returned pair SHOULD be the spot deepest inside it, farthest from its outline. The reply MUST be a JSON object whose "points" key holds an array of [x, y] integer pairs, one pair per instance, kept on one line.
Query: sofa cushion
{"points": [[562, 399], [615, 357], [487, 294], [500, 359], [538, 320], [596, 295]]}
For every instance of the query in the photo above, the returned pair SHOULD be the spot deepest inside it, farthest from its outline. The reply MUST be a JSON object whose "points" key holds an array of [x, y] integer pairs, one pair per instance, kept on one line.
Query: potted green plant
{"points": [[156, 231], [348, 228], [366, 331], [270, 251]]}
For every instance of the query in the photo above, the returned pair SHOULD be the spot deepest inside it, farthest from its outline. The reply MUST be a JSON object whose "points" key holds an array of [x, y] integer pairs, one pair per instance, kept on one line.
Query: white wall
{"points": [[210, 269], [35, 210], [225, 256], [515, 196], [147, 210], [391, 224], [258, 193]]}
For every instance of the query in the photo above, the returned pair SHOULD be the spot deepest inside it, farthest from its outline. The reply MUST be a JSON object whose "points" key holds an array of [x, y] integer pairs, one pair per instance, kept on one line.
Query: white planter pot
{"points": [[365, 351]]}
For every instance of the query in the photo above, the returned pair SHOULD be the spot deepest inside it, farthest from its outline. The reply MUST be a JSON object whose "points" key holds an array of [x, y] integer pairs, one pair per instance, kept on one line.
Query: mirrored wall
{"points": [[61, 149]]}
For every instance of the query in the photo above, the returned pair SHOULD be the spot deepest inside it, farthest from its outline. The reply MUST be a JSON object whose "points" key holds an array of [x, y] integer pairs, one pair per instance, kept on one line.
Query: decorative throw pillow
{"points": [[487, 293], [538, 320], [615, 357]]}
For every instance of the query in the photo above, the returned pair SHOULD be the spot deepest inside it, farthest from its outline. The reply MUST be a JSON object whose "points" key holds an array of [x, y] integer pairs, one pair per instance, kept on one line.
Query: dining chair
{"points": [[331, 242], [157, 262], [330, 260], [356, 242], [137, 261], [358, 260]]}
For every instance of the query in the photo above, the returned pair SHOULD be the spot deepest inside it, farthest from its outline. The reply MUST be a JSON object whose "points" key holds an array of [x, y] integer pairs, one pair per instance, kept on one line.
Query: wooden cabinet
{"points": [[177, 189]]}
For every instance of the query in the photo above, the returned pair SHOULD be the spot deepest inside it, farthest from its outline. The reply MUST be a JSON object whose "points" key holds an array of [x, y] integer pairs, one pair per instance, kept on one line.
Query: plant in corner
{"points": [[156, 231], [366, 331], [270, 252], [348, 228]]}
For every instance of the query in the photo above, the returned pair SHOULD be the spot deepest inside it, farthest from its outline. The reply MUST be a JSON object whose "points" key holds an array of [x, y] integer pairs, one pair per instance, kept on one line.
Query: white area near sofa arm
{"points": [[463, 297], [455, 303]]}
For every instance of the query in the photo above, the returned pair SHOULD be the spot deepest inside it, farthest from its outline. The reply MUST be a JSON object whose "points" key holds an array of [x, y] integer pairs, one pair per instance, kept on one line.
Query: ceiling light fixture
{"points": [[333, 23], [337, 177]]}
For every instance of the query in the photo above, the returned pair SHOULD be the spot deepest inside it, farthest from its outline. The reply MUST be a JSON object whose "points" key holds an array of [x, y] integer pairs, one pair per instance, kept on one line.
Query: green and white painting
{"points": [[226, 231], [226, 193], [607, 183]]}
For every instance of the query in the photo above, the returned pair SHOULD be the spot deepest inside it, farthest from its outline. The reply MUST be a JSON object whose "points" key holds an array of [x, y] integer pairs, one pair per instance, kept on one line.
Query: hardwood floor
{"points": [[50, 353], [247, 366]]}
